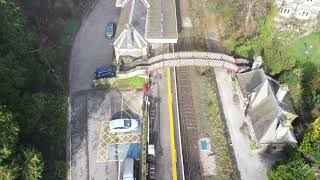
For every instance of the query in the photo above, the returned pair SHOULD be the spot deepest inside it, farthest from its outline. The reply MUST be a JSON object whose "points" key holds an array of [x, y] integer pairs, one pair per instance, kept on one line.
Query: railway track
{"points": [[188, 124]]}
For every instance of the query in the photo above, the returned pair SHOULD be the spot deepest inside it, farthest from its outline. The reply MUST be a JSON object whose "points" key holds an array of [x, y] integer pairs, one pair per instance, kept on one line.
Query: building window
{"points": [[304, 13], [284, 11]]}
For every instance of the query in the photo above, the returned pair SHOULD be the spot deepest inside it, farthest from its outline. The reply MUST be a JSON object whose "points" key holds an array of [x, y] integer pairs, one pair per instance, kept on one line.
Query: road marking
{"points": [[106, 139], [173, 149]]}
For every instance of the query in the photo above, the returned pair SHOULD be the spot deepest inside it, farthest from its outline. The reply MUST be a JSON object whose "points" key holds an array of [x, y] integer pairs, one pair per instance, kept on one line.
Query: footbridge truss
{"points": [[197, 59]]}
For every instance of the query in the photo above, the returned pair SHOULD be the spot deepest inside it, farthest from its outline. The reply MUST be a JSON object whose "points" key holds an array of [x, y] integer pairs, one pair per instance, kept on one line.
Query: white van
{"points": [[129, 169]]}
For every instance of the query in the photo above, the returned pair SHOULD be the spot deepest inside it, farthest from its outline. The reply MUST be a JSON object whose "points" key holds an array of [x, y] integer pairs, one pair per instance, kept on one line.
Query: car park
{"points": [[110, 30], [105, 72], [123, 125]]}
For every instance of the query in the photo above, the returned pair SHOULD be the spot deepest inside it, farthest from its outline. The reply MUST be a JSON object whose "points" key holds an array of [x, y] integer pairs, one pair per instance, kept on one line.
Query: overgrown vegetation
{"points": [[34, 41], [214, 127], [289, 60], [283, 60], [295, 63]]}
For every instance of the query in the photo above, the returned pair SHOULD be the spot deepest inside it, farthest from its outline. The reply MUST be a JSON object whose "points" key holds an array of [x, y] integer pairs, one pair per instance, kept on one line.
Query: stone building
{"points": [[268, 110], [301, 15], [144, 25]]}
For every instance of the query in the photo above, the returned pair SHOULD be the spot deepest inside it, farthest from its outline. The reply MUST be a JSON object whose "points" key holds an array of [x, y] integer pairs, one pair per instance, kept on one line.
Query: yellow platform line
{"points": [[173, 149]]}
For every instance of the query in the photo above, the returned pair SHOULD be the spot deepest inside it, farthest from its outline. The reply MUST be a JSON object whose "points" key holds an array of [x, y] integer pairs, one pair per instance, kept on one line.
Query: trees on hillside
{"points": [[9, 133], [32, 164], [32, 111]]}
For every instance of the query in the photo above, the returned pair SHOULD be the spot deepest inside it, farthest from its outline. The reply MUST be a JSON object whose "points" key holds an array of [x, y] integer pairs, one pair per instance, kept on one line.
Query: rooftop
{"points": [[161, 21], [266, 111]]}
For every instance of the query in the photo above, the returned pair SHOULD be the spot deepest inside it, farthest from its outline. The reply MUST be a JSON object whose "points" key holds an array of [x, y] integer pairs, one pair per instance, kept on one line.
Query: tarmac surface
{"points": [[89, 107], [90, 48], [88, 110]]}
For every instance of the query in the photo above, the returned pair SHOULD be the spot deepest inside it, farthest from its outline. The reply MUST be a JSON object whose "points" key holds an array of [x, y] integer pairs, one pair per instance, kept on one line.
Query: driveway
{"points": [[90, 48], [89, 107]]}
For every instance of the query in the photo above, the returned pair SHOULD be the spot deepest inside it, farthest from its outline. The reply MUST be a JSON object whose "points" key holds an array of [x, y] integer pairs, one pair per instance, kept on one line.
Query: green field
{"points": [[307, 49]]}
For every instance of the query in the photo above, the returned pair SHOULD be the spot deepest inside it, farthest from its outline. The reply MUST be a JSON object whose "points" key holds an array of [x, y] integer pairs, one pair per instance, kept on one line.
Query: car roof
{"points": [[128, 165], [104, 68], [116, 123]]}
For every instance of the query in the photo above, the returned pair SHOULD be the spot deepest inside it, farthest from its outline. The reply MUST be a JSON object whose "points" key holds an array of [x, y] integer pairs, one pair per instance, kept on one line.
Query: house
{"points": [[268, 110], [144, 25], [300, 9], [297, 14]]}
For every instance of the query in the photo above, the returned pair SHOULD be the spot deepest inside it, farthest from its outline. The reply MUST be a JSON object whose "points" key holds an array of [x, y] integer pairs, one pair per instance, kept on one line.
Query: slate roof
{"points": [[131, 25], [265, 111], [162, 20], [153, 19], [134, 13], [130, 39]]}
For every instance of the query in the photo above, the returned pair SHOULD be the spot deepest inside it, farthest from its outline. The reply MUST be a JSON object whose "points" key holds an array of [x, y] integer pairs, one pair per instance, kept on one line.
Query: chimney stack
{"points": [[282, 91], [257, 63]]}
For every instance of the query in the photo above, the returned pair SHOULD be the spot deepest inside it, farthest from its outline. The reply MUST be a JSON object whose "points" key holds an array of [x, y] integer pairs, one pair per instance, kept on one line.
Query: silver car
{"points": [[123, 125]]}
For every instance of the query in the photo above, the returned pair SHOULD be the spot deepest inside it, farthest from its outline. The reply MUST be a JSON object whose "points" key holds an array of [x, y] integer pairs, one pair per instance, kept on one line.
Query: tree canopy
{"points": [[33, 105]]}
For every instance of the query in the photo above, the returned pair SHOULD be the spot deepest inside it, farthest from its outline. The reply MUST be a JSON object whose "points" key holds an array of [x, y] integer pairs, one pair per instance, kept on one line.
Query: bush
{"points": [[292, 170], [310, 146]]}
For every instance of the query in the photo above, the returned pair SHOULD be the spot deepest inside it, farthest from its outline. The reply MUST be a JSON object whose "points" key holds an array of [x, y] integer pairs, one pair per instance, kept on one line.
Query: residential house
{"points": [[297, 14]]}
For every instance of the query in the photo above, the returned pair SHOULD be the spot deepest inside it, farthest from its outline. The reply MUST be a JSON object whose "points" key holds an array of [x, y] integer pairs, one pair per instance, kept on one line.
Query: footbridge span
{"points": [[188, 58]]}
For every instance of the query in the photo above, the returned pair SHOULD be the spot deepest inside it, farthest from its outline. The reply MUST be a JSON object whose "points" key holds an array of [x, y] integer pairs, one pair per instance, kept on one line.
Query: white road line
{"points": [[178, 118]]}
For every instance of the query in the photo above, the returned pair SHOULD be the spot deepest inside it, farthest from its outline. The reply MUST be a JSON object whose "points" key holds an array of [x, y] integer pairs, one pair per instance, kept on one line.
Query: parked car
{"points": [[123, 125], [130, 169], [105, 72], [110, 30]]}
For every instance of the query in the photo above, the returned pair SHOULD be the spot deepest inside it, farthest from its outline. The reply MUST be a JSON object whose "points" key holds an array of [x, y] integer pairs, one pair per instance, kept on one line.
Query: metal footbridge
{"points": [[189, 58]]}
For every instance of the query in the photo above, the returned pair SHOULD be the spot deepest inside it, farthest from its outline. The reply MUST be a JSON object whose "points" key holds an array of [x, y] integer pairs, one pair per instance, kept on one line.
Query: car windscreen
{"points": [[109, 28], [127, 123]]}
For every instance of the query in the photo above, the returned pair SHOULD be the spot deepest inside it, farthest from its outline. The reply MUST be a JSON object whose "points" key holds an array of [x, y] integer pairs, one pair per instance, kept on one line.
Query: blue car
{"points": [[110, 30], [105, 72]]}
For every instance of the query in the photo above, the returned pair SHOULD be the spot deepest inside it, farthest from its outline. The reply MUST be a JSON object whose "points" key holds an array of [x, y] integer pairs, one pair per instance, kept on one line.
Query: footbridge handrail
{"points": [[196, 55]]}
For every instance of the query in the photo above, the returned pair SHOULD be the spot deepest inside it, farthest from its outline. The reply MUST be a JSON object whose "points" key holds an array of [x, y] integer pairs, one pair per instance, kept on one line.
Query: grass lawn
{"points": [[131, 83], [310, 43], [134, 83]]}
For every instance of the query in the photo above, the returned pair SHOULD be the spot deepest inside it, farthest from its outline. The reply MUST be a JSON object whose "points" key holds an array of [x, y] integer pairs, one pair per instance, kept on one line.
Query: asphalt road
{"points": [[90, 48], [88, 107]]}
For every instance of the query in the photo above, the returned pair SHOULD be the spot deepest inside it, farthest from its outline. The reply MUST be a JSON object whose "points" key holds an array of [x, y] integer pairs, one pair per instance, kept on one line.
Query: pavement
{"points": [[89, 107], [161, 128], [251, 165]]}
